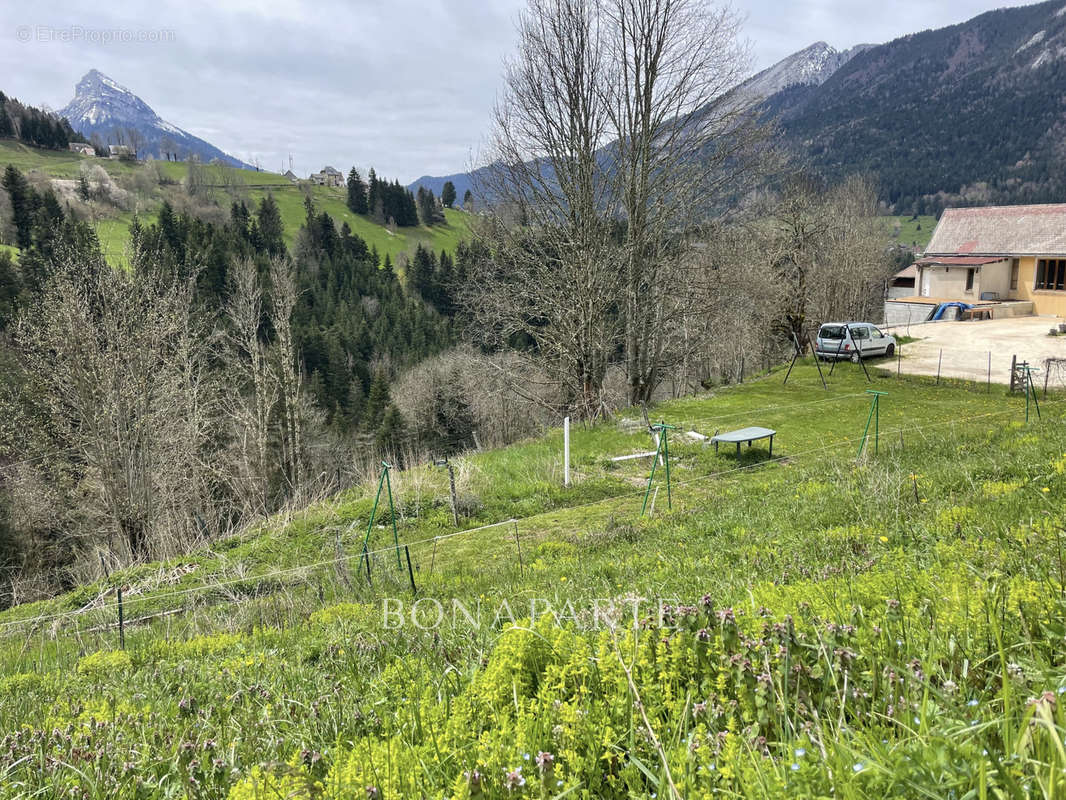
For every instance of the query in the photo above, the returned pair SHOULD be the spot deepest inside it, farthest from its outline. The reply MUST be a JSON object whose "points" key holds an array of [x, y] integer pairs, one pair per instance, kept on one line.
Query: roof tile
{"points": [[1038, 230]]}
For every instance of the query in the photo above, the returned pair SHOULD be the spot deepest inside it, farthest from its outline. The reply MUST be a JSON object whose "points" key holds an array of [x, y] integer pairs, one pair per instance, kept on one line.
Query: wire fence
{"points": [[372, 574]]}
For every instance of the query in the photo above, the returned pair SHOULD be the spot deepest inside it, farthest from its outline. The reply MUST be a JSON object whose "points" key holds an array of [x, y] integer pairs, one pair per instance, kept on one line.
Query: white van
{"points": [[852, 340]]}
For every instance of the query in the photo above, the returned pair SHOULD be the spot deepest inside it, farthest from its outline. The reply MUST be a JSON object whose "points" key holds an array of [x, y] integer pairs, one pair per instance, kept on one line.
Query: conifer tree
{"points": [[377, 402], [23, 205], [420, 274], [271, 228], [373, 192], [357, 199], [391, 433], [447, 194]]}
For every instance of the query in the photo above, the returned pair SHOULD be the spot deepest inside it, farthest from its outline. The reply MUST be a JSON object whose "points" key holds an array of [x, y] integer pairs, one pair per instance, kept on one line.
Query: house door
{"points": [[924, 291]]}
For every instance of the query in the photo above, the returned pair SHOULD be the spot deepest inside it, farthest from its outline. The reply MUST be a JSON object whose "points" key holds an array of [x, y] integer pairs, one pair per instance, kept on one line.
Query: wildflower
{"points": [[972, 702], [1045, 490], [372, 793], [545, 762], [795, 766], [704, 635], [949, 686], [1047, 698], [514, 780], [858, 767], [883, 539], [800, 752]]}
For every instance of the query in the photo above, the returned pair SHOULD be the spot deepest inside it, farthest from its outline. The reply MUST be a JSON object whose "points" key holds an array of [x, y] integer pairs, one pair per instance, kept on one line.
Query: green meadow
{"points": [[825, 623], [249, 186]]}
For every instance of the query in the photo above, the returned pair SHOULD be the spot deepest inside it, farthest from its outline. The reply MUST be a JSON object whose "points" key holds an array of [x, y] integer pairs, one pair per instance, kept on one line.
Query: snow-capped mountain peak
{"points": [[105, 107], [811, 66]]}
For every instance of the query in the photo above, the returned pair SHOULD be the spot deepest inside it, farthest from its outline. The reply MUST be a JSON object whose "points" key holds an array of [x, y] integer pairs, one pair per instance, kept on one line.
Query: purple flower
{"points": [[545, 762], [514, 780]]}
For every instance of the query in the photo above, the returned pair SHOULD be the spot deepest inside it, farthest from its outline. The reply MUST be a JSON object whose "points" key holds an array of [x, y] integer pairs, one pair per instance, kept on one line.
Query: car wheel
{"points": [[855, 358], [890, 350]]}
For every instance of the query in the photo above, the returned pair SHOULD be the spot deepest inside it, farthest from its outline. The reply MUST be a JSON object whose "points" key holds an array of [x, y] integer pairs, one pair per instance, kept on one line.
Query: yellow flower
{"points": [[883, 538], [562, 579], [1045, 489]]}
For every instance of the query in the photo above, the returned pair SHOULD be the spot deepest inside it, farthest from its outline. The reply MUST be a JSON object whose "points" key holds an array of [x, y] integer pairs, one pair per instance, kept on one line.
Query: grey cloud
{"points": [[404, 86]]}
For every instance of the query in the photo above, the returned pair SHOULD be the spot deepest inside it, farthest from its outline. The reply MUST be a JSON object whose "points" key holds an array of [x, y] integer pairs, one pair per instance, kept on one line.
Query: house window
{"points": [[1013, 274], [1051, 274], [969, 279]]}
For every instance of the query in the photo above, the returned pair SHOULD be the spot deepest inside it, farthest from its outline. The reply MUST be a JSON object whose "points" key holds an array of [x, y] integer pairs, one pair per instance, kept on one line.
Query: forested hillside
{"points": [[34, 126], [966, 115], [218, 375]]}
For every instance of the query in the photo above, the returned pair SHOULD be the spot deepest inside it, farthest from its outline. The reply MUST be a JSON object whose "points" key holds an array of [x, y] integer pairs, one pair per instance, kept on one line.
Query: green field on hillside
{"points": [[888, 625], [251, 187], [911, 232]]}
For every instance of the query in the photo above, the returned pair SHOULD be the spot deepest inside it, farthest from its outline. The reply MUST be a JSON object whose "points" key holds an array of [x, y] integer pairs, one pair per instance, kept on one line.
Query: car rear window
{"points": [[832, 332]]}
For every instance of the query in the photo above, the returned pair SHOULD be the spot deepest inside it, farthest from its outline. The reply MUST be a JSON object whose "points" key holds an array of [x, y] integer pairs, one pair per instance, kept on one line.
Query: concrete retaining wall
{"points": [[908, 313]]}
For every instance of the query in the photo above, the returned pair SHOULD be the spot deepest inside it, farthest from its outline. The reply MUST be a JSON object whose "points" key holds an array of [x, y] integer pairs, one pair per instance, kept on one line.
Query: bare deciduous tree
{"points": [[283, 296], [828, 250], [118, 393], [555, 278], [682, 143], [253, 399], [616, 134]]}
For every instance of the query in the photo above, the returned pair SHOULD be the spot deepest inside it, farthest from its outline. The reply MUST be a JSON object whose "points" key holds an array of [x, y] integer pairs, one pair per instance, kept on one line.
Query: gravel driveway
{"points": [[966, 347]]}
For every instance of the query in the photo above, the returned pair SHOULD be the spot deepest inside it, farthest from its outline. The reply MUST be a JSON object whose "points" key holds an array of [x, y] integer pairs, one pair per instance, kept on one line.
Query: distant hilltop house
{"points": [[1012, 258], [292, 176], [84, 148], [328, 177], [119, 151]]}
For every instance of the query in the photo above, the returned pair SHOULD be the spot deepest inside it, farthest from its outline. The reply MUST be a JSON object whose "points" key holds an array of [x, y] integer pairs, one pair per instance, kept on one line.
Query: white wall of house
{"points": [[950, 282], [996, 278]]}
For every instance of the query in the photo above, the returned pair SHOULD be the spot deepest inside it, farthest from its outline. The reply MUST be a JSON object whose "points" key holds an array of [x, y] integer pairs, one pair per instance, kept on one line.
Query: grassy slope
{"points": [[955, 518], [114, 231], [912, 232]]}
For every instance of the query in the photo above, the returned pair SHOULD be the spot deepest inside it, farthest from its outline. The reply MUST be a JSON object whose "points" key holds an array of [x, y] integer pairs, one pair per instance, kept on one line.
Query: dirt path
{"points": [[966, 347]]}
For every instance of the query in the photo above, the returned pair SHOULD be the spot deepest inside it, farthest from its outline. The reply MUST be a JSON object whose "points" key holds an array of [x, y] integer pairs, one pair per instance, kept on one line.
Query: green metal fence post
{"points": [[874, 418], [651, 477], [666, 458], [392, 512], [663, 448], [1032, 387], [374, 511]]}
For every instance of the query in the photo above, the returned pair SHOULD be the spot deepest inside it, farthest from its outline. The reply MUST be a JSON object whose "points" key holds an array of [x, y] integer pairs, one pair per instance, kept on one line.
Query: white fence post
{"points": [[566, 451]]}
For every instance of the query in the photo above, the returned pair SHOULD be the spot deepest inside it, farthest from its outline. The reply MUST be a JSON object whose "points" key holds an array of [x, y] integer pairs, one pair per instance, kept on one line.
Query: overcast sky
{"points": [[405, 86]]}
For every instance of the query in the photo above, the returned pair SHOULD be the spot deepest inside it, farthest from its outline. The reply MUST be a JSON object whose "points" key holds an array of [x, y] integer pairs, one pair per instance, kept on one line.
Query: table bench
{"points": [[977, 312], [748, 435]]}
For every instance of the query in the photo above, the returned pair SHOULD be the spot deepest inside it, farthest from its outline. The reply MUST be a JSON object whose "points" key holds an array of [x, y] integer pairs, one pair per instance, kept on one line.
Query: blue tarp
{"points": [[939, 313]]}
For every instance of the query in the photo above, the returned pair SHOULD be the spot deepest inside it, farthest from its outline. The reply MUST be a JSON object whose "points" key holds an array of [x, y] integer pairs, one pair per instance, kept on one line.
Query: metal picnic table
{"points": [[748, 435]]}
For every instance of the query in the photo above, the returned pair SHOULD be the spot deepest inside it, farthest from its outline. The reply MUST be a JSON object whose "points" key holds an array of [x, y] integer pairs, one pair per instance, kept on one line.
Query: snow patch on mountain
{"points": [[811, 66], [103, 106], [1038, 37]]}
